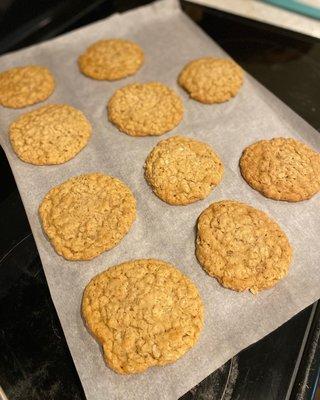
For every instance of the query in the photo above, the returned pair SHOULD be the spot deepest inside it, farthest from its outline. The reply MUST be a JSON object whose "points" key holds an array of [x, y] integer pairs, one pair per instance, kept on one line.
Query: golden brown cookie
{"points": [[211, 80], [241, 246], [182, 170], [87, 215], [50, 135], [145, 109], [282, 169], [144, 313], [111, 59], [24, 86]]}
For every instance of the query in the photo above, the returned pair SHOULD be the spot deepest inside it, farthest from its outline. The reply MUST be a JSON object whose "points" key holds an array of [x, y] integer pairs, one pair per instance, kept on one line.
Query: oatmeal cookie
{"points": [[242, 247], [111, 59], [147, 109], [182, 170], [144, 313], [282, 169], [24, 86], [51, 134], [211, 80], [87, 215]]}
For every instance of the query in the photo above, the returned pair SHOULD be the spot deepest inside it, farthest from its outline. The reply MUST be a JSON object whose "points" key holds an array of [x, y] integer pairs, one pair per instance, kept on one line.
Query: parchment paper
{"points": [[232, 320]]}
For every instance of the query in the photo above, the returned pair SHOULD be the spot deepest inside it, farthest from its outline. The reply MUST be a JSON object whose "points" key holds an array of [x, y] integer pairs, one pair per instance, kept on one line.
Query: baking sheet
{"points": [[232, 320]]}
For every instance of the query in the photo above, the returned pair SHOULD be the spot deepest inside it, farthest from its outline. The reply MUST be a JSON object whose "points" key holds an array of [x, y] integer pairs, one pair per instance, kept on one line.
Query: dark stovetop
{"points": [[35, 362]]}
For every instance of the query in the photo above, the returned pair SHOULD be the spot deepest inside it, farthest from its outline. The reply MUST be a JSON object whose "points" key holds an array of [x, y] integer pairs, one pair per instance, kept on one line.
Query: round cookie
{"points": [[111, 59], [242, 247], [147, 109], [24, 86], [181, 170], [144, 313], [87, 215], [211, 80], [282, 169], [50, 135]]}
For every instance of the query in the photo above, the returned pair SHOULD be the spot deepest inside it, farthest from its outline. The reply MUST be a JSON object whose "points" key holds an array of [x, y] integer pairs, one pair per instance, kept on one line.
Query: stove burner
{"points": [[32, 344], [217, 386]]}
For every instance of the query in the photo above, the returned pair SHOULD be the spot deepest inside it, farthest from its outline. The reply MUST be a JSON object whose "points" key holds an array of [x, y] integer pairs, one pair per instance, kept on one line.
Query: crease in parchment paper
{"points": [[232, 320]]}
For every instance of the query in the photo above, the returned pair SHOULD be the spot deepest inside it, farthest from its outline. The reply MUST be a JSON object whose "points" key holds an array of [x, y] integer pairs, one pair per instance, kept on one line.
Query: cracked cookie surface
{"points": [[211, 80], [242, 247], [49, 135], [87, 215], [24, 86], [144, 313], [111, 59], [145, 109], [282, 169], [182, 170]]}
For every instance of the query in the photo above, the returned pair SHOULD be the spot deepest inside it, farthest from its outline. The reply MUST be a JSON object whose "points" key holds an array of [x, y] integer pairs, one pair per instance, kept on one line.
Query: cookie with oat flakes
{"points": [[111, 59], [145, 109], [50, 135], [23, 86], [144, 313], [182, 170], [211, 80], [282, 169], [242, 247], [87, 215]]}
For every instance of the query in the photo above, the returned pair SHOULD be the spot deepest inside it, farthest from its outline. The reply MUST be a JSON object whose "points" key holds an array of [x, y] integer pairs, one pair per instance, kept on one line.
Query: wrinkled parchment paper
{"points": [[232, 320]]}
